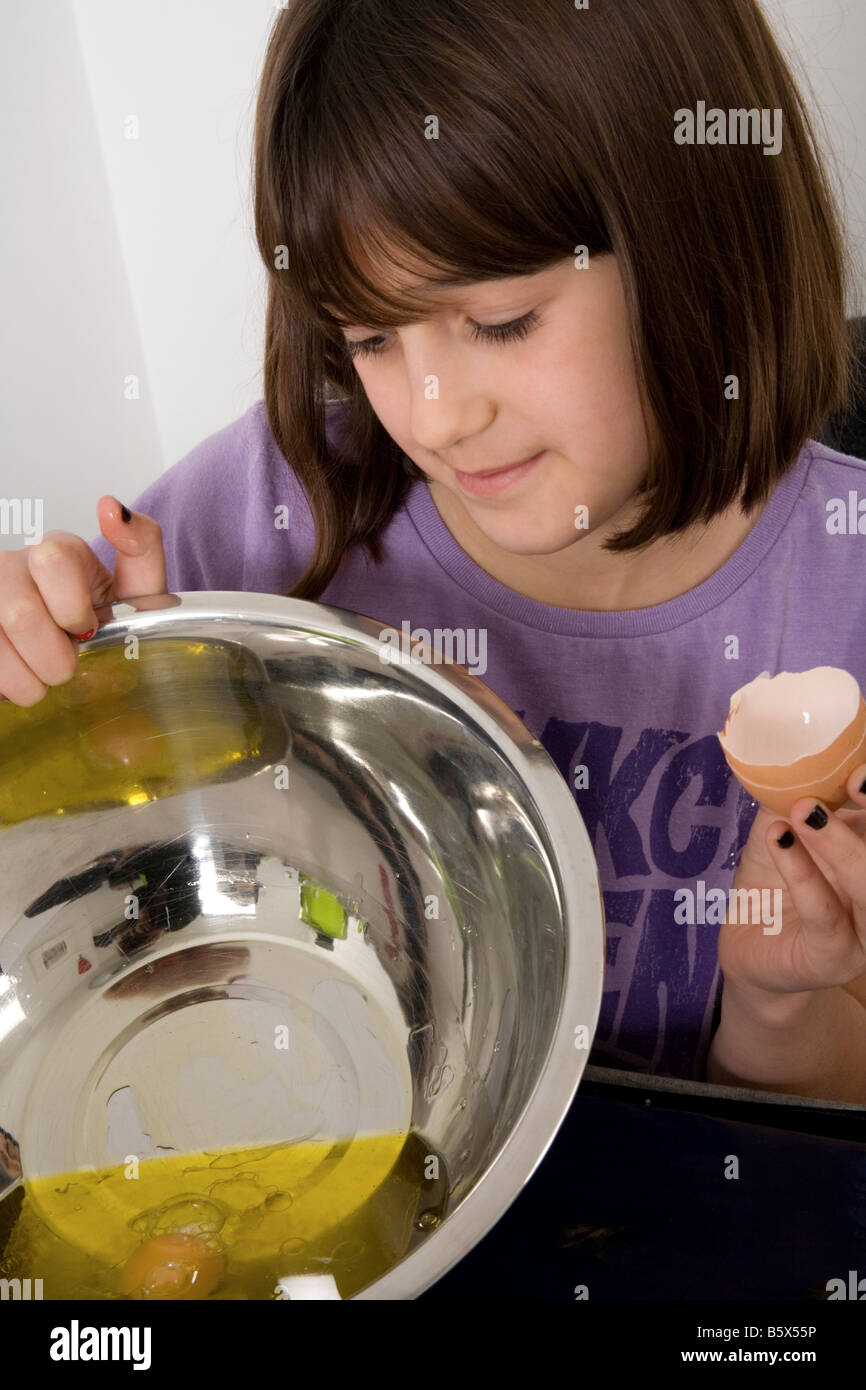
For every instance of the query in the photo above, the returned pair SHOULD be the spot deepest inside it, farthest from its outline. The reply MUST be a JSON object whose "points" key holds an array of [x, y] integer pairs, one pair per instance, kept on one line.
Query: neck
{"points": [[585, 576]]}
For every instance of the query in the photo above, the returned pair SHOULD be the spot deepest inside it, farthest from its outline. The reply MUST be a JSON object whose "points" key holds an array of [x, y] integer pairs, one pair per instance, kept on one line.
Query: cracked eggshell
{"points": [[796, 734]]}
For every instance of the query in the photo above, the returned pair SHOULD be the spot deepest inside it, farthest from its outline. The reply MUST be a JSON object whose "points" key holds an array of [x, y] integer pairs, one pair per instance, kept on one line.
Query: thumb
{"points": [[139, 567]]}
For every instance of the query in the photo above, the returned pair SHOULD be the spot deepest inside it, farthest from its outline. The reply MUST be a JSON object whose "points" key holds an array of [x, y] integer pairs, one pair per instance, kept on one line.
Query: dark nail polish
{"points": [[817, 818], [863, 789], [786, 840], [126, 513]]}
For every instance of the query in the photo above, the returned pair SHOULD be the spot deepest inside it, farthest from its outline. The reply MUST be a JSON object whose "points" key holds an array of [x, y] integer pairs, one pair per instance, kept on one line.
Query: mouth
{"points": [[496, 480]]}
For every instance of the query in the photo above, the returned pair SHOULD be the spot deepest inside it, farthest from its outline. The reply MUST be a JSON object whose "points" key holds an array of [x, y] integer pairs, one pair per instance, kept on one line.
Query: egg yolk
{"points": [[173, 1266]]}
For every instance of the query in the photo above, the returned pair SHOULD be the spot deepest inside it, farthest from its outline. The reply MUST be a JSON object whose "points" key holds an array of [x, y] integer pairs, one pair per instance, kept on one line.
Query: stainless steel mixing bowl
{"points": [[240, 821]]}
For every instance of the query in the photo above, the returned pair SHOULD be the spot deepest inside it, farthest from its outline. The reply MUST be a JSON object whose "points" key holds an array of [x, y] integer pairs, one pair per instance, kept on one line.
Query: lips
{"points": [[497, 479], [493, 472]]}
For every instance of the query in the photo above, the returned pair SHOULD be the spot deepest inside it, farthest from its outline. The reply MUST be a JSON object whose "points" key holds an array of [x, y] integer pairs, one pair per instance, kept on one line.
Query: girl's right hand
{"points": [[48, 593]]}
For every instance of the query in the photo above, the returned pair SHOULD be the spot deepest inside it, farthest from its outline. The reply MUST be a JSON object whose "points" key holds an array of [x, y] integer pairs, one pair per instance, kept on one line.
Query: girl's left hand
{"points": [[822, 877]]}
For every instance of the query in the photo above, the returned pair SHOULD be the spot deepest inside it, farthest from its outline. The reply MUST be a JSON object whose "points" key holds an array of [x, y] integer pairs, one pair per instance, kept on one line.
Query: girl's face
{"points": [[459, 402]]}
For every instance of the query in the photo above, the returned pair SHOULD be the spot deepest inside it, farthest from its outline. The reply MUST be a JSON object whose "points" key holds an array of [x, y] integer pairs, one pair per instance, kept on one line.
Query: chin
{"points": [[528, 540]]}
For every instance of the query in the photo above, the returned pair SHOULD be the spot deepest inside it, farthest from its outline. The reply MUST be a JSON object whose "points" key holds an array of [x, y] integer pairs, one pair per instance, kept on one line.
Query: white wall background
{"points": [[124, 257]]}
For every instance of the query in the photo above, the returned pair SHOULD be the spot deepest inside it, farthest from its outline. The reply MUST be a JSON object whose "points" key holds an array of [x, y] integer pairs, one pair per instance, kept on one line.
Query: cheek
{"points": [[600, 367], [603, 419], [392, 407], [582, 383]]}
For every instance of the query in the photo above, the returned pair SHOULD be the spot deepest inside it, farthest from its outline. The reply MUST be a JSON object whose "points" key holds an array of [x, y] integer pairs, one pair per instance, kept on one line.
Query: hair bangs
{"points": [[404, 180]]}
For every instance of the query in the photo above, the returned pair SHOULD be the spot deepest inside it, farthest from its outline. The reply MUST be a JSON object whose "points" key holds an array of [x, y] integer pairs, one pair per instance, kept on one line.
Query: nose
{"points": [[448, 400]]}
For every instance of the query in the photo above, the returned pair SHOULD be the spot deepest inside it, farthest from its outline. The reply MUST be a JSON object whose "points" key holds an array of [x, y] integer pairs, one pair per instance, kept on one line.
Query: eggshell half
{"points": [[822, 774]]}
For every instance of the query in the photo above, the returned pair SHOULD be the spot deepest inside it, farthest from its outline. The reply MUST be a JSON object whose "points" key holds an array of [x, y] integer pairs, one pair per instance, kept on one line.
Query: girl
{"points": [[556, 311]]}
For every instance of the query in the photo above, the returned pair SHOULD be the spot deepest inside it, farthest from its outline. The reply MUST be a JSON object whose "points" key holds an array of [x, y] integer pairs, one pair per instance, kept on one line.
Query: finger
{"points": [[42, 595], [817, 908], [857, 785], [139, 566], [70, 579], [18, 683], [833, 842], [856, 819], [755, 849]]}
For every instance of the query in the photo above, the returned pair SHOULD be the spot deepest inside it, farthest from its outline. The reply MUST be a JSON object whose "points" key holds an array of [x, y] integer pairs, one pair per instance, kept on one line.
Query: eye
{"points": [[489, 333]]}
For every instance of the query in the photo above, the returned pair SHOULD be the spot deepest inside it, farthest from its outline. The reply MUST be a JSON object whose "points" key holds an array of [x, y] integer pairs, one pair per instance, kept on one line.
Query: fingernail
{"points": [[125, 513], [786, 840], [84, 636], [817, 818]]}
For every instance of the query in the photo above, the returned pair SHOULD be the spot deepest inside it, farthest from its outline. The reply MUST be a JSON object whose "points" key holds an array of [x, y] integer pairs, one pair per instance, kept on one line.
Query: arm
{"points": [[811, 1043]]}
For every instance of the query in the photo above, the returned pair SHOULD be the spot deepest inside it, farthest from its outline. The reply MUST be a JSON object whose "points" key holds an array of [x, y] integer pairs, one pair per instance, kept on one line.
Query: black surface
{"points": [[632, 1202], [846, 432]]}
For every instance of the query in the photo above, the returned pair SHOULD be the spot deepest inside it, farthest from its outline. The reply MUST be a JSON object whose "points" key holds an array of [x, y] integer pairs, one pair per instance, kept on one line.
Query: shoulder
{"points": [[827, 459], [217, 509], [835, 485], [246, 450], [239, 452], [243, 451], [210, 476], [202, 502]]}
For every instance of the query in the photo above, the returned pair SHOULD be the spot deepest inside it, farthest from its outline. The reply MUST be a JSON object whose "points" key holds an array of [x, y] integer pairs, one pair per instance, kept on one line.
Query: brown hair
{"points": [[556, 129]]}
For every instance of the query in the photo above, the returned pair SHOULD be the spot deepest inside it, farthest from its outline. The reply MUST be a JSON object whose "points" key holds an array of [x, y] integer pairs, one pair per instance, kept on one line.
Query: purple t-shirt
{"points": [[634, 698]]}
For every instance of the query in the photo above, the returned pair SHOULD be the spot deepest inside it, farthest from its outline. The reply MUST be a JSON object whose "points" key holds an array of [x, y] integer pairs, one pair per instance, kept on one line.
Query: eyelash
{"points": [[490, 333]]}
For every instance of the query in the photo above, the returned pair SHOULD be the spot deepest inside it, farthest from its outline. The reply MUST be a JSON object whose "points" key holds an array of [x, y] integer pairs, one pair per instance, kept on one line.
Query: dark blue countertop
{"points": [[632, 1202]]}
